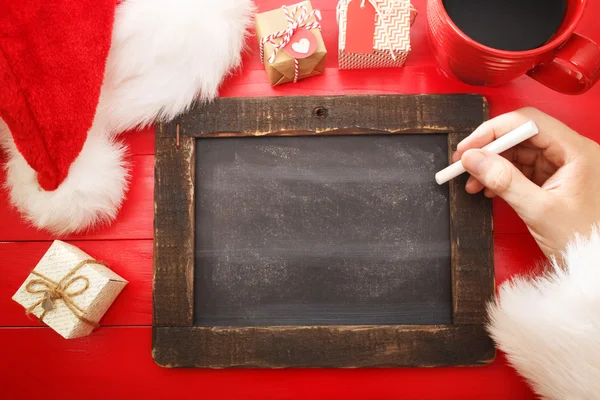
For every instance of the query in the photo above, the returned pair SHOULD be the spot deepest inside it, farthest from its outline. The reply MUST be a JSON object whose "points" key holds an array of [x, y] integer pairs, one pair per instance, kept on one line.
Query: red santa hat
{"points": [[76, 73]]}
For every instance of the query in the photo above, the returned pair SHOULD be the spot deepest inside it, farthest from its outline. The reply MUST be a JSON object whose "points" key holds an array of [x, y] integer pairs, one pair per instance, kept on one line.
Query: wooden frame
{"points": [[178, 343]]}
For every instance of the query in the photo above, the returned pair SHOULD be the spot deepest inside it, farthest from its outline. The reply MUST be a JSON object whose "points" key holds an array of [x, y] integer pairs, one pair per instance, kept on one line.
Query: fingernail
{"points": [[473, 160]]}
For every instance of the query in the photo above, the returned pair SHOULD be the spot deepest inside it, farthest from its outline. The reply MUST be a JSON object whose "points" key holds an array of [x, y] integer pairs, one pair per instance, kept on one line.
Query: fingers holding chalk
{"points": [[500, 145], [502, 178], [557, 140], [525, 160], [473, 185], [473, 160], [497, 127]]}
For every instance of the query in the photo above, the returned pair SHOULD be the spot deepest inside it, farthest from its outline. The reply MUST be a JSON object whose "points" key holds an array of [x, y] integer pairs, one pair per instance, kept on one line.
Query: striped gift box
{"points": [[392, 34]]}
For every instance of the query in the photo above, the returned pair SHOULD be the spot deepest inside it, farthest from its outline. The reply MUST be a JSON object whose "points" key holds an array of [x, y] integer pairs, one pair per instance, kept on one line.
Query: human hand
{"points": [[552, 180]]}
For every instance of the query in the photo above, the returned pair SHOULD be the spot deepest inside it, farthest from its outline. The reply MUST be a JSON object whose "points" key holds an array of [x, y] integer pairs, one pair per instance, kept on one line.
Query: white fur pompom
{"points": [[549, 326], [166, 54], [91, 194]]}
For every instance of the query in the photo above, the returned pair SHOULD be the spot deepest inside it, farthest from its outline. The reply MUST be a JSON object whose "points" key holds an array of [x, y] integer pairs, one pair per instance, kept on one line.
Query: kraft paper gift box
{"points": [[69, 290], [296, 28], [374, 33]]}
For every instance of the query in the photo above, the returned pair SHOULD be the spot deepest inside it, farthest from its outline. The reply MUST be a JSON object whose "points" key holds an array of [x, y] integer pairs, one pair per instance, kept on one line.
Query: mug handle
{"points": [[574, 69]]}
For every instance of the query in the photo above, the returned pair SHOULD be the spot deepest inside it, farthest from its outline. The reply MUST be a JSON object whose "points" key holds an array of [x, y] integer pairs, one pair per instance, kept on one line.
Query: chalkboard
{"points": [[329, 230], [310, 232]]}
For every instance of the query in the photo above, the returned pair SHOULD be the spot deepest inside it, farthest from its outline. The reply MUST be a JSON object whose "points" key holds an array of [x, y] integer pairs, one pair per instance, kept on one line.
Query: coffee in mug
{"points": [[514, 25]]}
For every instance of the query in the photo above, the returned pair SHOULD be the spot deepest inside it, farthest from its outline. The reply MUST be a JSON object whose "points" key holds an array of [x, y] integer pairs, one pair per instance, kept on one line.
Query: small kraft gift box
{"points": [[290, 43], [374, 33], [69, 291]]}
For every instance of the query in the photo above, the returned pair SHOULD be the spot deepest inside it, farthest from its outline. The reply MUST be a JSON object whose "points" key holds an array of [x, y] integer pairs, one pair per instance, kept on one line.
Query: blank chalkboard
{"points": [[309, 232], [330, 230]]}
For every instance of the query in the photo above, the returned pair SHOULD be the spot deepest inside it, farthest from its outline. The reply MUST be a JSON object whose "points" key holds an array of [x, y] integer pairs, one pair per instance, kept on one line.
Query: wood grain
{"points": [[471, 233], [305, 115], [514, 254], [339, 347], [470, 228], [174, 233]]}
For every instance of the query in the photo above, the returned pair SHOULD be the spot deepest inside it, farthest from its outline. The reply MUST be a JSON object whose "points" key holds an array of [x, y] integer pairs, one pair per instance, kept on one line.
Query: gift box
{"points": [[69, 291], [374, 33], [290, 43]]}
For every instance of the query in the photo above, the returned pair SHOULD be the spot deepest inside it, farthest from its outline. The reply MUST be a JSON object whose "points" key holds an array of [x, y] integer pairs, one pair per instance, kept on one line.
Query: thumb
{"points": [[504, 179]]}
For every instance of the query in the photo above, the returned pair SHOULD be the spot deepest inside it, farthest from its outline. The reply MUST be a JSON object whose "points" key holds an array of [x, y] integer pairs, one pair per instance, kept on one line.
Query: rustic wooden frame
{"points": [[178, 343]]}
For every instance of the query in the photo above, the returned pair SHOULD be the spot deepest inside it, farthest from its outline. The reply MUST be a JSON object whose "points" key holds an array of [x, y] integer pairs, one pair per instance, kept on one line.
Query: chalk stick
{"points": [[500, 145]]}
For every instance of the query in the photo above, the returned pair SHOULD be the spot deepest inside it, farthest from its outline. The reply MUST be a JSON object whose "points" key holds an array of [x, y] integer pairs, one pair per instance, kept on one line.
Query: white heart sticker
{"points": [[301, 46]]}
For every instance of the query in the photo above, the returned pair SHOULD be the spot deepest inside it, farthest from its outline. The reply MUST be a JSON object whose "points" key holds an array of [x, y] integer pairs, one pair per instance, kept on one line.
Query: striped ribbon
{"points": [[281, 38]]}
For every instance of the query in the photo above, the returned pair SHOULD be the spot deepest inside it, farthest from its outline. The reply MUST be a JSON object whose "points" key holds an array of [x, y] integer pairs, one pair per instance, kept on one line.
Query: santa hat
{"points": [[76, 73]]}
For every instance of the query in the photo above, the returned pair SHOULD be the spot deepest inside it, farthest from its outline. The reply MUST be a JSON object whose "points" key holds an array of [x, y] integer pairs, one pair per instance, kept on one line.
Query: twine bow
{"points": [[285, 35], [383, 15], [52, 291]]}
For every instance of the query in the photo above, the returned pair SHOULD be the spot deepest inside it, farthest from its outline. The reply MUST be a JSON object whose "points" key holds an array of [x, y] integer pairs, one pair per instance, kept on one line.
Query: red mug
{"points": [[568, 63]]}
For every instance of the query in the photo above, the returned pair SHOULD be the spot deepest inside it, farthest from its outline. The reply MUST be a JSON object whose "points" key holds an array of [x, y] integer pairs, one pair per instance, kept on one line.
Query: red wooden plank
{"points": [[135, 220], [116, 363], [515, 254], [132, 259], [140, 142]]}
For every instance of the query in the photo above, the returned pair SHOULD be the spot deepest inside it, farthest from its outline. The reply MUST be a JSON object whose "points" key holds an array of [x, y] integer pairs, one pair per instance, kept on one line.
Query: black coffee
{"points": [[514, 25]]}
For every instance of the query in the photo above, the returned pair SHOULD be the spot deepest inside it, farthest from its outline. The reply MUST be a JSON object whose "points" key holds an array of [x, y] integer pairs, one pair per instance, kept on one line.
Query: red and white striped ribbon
{"points": [[284, 36], [296, 70]]}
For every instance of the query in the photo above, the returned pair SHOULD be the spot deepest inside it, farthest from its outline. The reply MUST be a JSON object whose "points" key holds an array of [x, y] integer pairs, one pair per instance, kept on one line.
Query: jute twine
{"points": [[52, 291]]}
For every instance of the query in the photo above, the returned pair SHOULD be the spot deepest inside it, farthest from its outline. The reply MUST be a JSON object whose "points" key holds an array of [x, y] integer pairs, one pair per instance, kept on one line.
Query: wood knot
{"points": [[320, 112]]}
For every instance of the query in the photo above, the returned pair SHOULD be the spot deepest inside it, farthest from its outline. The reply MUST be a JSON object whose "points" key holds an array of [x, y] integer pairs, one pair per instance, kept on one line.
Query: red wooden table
{"points": [[116, 362]]}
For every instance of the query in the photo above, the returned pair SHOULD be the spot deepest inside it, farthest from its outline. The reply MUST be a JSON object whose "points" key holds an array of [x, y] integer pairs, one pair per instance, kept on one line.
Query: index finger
{"points": [[558, 142]]}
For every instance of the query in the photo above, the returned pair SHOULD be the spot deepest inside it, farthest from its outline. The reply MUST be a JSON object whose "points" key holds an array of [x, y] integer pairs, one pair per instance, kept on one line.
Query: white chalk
{"points": [[500, 145]]}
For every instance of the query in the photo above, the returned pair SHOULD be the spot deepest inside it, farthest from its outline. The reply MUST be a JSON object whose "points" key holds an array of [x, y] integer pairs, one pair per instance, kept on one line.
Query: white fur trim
{"points": [[90, 195], [165, 54], [549, 326]]}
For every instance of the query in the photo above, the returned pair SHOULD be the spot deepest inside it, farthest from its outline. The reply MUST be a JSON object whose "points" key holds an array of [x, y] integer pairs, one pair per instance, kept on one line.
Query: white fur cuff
{"points": [[165, 55], [549, 326], [91, 194]]}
